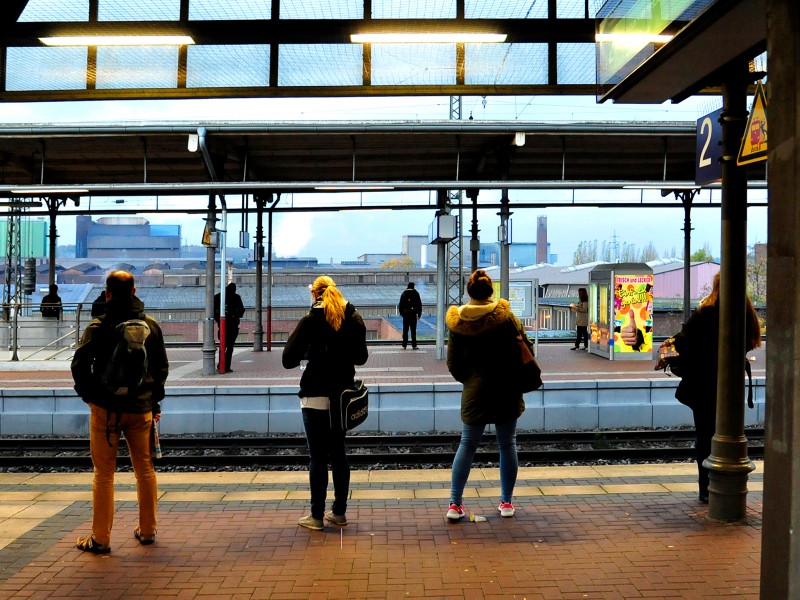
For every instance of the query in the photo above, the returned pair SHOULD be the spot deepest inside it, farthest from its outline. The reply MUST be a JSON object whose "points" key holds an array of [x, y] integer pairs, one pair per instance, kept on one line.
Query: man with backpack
{"points": [[119, 369], [410, 308]]}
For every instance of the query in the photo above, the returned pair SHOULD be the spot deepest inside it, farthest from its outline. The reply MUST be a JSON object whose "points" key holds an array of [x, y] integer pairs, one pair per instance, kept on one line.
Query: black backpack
{"points": [[128, 363]]}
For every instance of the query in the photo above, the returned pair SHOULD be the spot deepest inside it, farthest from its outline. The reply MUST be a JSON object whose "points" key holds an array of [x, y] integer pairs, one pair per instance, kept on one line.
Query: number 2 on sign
{"points": [[705, 128]]}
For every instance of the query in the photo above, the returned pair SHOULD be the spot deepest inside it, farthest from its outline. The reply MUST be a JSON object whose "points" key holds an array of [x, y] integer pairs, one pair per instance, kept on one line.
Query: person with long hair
{"points": [[697, 346], [482, 351], [332, 339], [581, 319]]}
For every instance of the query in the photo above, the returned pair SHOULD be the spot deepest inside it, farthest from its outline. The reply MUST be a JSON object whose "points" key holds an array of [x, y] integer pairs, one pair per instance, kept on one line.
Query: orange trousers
{"points": [[136, 429]]}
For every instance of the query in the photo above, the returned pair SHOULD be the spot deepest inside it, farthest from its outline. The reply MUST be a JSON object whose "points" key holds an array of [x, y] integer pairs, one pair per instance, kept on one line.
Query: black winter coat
{"points": [[697, 346], [482, 353], [331, 355], [95, 349]]}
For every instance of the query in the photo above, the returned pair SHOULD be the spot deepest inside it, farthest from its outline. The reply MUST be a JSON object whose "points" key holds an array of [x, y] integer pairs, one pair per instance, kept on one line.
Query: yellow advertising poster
{"points": [[633, 313]]}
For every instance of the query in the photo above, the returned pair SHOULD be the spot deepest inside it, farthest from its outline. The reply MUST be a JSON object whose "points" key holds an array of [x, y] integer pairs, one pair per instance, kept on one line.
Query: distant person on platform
{"points": [[234, 311], [410, 308], [99, 305], [51, 303], [581, 319]]}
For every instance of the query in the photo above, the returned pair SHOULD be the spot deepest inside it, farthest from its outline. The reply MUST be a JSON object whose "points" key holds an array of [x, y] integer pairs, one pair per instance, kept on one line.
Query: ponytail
{"points": [[333, 303]]}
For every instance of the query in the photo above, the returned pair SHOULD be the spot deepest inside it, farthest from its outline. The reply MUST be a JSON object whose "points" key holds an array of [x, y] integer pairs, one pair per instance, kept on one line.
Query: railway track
{"points": [[400, 451]]}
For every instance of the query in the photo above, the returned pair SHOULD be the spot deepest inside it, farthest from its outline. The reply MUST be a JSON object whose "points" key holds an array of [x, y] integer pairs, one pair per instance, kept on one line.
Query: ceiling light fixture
{"points": [[118, 40], [427, 38], [353, 188]]}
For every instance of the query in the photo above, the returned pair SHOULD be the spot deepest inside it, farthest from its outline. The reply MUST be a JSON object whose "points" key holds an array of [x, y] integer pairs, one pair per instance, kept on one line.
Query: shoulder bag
{"points": [[530, 374], [354, 405]]}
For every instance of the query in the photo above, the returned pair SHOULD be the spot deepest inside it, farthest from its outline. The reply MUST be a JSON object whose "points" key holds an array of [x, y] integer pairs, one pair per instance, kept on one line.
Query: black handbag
{"points": [[354, 405]]}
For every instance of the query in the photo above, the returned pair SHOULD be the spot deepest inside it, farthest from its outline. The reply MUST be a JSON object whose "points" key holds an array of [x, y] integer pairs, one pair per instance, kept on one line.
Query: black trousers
{"points": [[582, 333], [410, 323], [231, 333]]}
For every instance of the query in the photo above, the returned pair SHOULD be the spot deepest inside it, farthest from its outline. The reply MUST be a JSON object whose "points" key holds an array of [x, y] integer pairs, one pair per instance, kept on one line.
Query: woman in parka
{"points": [[482, 352], [332, 338]]}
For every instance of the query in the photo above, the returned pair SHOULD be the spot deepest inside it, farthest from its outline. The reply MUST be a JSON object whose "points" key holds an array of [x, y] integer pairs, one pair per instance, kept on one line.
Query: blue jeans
{"points": [[470, 439], [326, 443]]}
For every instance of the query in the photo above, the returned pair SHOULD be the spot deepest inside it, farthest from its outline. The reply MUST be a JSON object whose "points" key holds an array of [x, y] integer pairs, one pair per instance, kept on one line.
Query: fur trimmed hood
{"points": [[477, 317]]}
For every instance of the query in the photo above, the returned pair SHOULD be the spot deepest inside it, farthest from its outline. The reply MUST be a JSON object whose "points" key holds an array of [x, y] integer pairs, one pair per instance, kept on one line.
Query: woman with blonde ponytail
{"points": [[333, 339]]}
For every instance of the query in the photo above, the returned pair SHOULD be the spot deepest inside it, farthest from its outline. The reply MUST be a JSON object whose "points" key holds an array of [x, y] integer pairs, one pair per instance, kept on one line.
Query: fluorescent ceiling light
{"points": [[32, 191], [117, 40], [633, 39], [427, 38], [20, 203]]}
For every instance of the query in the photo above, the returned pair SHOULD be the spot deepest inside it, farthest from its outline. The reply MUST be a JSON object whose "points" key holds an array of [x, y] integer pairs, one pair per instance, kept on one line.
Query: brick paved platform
{"points": [[633, 531]]}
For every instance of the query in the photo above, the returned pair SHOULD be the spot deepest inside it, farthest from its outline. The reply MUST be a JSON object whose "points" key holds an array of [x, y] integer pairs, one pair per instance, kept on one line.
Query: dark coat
{"points": [[331, 355], [234, 309], [697, 346], [482, 353], [95, 349], [410, 304]]}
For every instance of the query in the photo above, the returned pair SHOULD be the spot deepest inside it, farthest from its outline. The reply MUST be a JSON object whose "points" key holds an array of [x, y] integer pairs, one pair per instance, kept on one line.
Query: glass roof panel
{"points": [[570, 9], [322, 9], [320, 65], [508, 9], [227, 66], [136, 67], [413, 64], [31, 69], [576, 63], [413, 9], [506, 64], [55, 10], [139, 10], [209, 10]]}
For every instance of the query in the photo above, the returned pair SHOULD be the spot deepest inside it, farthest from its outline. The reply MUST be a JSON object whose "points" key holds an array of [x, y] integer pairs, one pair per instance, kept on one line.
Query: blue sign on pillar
{"points": [[707, 166]]}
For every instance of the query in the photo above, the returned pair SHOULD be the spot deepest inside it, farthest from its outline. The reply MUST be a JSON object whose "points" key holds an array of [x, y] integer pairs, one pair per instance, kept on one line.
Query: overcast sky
{"points": [[347, 235]]}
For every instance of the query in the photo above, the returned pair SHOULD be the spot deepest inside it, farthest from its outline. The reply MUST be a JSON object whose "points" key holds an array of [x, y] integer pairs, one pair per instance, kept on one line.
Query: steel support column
{"points": [[505, 240], [209, 346], [729, 463], [260, 201]]}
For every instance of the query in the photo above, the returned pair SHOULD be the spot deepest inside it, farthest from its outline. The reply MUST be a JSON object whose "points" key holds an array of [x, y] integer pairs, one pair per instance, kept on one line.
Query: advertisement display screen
{"points": [[633, 313]]}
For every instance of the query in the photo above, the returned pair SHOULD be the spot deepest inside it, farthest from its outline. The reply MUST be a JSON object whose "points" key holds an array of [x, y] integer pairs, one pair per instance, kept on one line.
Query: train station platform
{"points": [[579, 532]]}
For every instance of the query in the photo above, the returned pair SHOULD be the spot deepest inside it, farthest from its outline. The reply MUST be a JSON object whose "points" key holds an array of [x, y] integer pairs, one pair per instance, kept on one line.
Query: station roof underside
{"points": [[256, 158]]}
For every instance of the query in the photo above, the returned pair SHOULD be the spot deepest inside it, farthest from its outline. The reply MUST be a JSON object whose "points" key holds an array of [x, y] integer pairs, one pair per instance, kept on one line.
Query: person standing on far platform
{"points": [[699, 355], [99, 304], [481, 353], [51, 303], [332, 339], [127, 410], [410, 308], [581, 319], [234, 311]]}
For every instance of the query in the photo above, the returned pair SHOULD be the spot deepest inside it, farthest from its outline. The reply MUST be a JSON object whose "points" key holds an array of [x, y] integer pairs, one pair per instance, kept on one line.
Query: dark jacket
{"points": [[95, 349], [482, 353], [410, 304], [331, 355], [51, 306], [99, 305], [697, 346], [234, 309]]}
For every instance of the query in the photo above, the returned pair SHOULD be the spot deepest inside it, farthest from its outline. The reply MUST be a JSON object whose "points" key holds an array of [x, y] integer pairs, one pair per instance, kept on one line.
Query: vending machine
{"points": [[621, 311]]}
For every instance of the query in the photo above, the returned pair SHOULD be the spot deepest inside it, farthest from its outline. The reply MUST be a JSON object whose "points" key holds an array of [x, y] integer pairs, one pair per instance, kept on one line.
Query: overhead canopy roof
{"points": [[295, 48], [142, 159]]}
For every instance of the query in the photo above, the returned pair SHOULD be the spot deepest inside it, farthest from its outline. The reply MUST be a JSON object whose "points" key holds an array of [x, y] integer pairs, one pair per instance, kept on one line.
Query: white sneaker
{"points": [[455, 512], [506, 509]]}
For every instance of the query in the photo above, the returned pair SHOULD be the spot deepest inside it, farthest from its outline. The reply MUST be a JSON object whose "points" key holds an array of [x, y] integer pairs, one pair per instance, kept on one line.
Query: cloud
{"points": [[292, 234]]}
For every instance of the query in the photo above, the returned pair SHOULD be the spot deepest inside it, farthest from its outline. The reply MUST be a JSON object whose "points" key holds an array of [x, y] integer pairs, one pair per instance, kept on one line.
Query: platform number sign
{"points": [[708, 167]]}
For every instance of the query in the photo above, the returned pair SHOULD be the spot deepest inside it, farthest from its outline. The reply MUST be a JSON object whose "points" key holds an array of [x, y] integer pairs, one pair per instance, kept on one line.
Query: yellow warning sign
{"points": [[206, 235], [754, 141]]}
